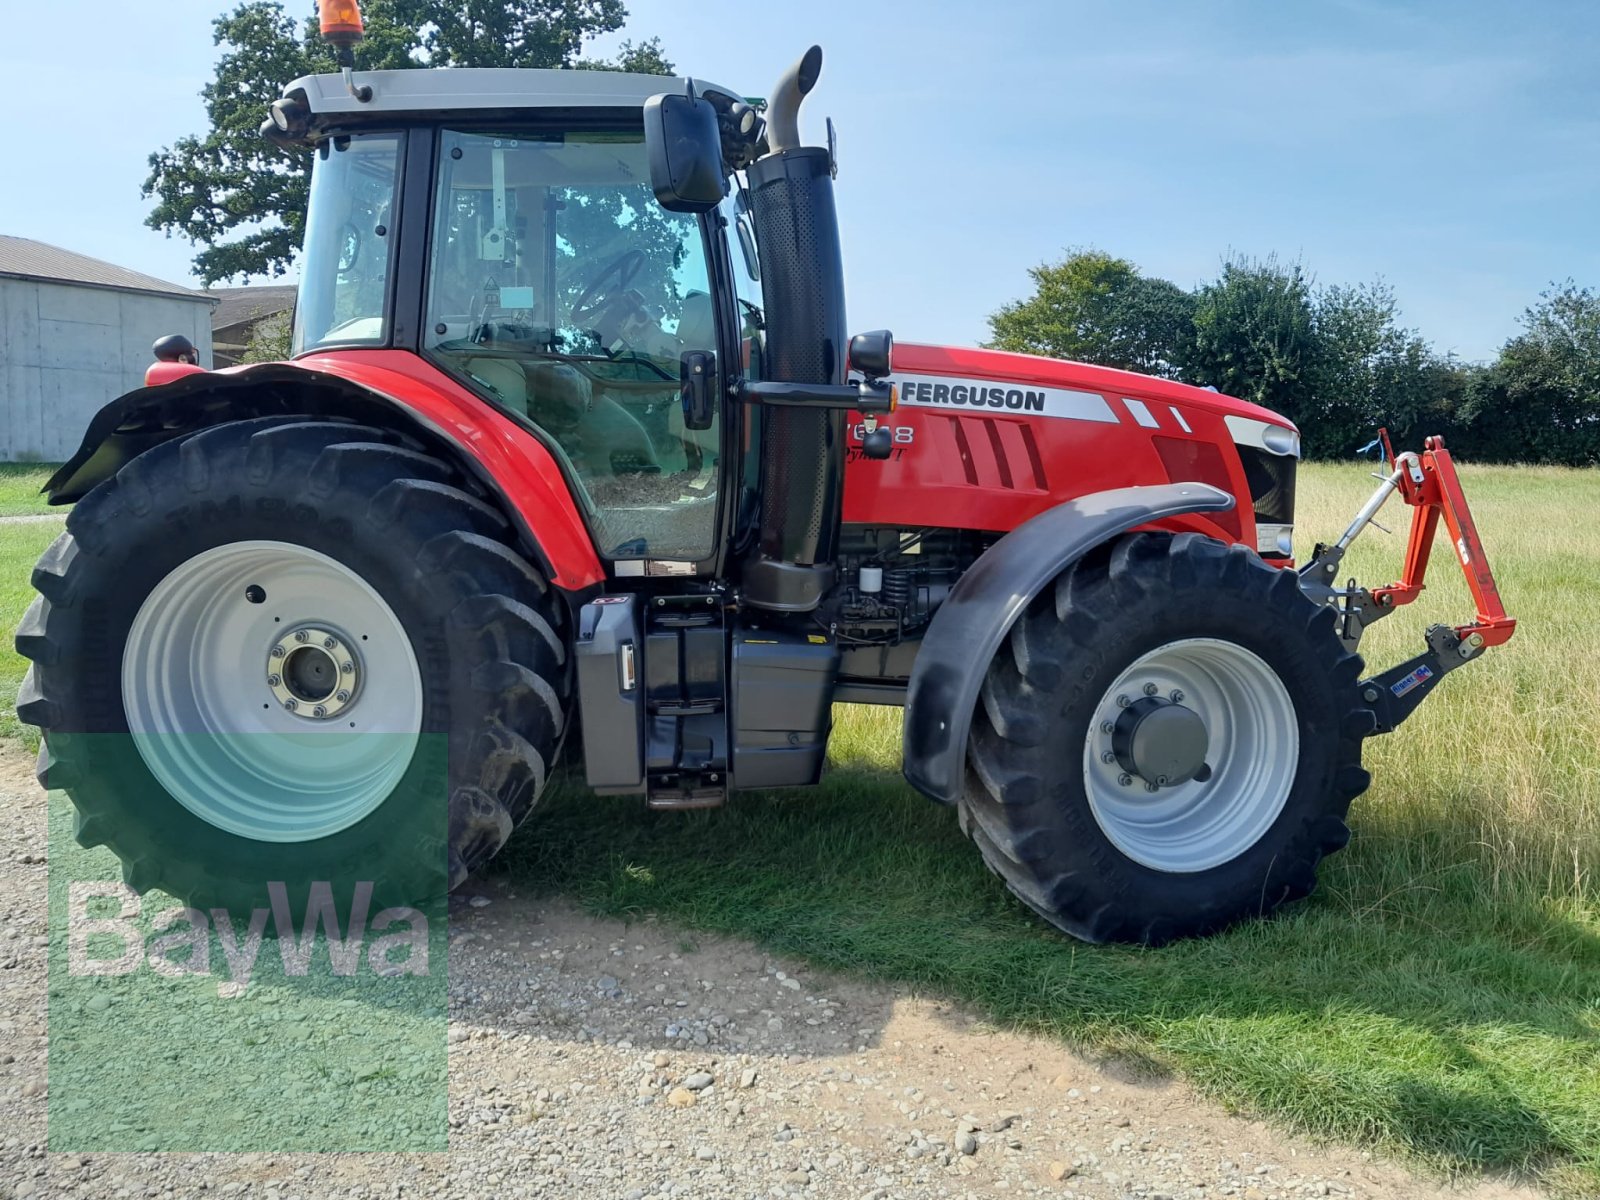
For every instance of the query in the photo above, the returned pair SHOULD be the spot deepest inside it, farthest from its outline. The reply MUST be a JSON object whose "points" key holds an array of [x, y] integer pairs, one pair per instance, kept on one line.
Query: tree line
{"points": [[1335, 359]]}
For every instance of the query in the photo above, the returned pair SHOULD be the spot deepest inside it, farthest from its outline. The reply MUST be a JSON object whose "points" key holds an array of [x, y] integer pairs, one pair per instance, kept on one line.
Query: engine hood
{"points": [[1003, 366]]}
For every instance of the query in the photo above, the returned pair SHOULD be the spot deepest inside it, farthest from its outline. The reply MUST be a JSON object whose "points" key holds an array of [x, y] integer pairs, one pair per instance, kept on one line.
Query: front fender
{"points": [[972, 624]]}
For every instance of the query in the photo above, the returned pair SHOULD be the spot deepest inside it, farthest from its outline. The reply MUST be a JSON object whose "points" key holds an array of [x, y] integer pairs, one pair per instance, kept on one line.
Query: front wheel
{"points": [[1168, 743]]}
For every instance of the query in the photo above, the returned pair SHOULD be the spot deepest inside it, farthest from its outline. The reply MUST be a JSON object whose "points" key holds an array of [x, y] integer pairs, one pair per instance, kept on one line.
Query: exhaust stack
{"points": [[797, 235]]}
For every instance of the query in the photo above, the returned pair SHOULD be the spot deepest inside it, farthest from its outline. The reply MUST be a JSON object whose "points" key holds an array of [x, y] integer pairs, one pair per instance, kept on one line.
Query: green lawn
{"points": [[19, 488], [20, 546], [1439, 997]]}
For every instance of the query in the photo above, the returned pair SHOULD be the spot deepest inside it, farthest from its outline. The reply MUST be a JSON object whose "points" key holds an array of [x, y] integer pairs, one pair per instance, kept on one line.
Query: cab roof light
{"points": [[341, 23], [342, 28]]}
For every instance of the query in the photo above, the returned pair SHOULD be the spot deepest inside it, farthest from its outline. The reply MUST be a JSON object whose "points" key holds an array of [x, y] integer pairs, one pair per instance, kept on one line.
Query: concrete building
{"points": [[75, 332]]}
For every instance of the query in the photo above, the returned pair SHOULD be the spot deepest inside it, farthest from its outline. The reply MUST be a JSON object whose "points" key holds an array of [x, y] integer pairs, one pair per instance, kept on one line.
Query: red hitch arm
{"points": [[1433, 489]]}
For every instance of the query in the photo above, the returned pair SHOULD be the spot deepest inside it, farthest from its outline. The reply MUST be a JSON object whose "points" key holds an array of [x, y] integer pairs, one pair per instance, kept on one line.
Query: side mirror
{"points": [[870, 353], [685, 147], [174, 348]]}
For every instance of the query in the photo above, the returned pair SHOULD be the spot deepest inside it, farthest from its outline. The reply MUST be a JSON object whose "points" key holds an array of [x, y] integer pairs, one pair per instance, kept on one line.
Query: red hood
{"points": [[1054, 372]]}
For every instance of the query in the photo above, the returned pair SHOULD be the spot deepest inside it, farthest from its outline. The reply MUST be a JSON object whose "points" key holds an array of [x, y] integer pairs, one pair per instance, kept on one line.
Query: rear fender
{"points": [[507, 462], [971, 625]]}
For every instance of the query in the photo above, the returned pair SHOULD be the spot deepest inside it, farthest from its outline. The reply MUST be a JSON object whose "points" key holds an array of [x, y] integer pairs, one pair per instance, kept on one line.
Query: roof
{"points": [[24, 258], [236, 306], [454, 89]]}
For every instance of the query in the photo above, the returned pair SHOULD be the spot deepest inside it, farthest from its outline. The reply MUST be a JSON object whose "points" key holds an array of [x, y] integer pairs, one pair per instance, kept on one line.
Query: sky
{"points": [[1449, 149]]}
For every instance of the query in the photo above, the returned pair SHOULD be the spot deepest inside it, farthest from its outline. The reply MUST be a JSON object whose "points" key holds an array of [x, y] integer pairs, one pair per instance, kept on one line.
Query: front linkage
{"points": [[1429, 484]]}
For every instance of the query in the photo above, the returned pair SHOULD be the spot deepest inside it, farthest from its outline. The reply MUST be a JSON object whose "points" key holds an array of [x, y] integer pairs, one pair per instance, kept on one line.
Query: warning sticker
{"points": [[1412, 681]]}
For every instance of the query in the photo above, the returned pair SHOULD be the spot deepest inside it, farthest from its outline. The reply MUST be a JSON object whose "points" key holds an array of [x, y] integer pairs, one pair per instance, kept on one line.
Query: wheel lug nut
{"points": [[301, 635], [328, 643], [341, 697], [291, 705], [278, 652], [273, 680], [1150, 787], [1123, 702], [1108, 757], [348, 668], [1161, 781], [1150, 689], [1108, 727], [1124, 779], [319, 711], [1177, 695]]}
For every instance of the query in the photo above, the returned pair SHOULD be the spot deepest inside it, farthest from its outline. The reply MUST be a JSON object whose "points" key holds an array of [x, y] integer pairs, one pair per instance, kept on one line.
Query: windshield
{"points": [[562, 291], [345, 268]]}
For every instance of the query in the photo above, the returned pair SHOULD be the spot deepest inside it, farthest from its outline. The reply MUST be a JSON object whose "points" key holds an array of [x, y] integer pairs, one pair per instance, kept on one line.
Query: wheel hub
{"points": [[312, 673], [1217, 721], [225, 667], [1161, 741]]}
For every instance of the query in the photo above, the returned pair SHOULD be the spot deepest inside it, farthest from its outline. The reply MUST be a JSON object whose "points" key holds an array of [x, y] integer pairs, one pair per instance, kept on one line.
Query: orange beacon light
{"points": [[341, 22]]}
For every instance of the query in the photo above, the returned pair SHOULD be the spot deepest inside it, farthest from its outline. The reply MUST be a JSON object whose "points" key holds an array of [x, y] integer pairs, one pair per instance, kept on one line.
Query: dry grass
{"points": [[1506, 756]]}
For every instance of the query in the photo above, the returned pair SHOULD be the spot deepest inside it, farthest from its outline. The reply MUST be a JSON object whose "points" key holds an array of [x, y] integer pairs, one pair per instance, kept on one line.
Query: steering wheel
{"points": [[594, 299], [349, 245]]}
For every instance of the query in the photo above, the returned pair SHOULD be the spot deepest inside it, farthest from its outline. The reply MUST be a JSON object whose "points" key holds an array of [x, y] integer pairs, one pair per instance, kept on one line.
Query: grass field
{"points": [[1438, 998], [19, 488]]}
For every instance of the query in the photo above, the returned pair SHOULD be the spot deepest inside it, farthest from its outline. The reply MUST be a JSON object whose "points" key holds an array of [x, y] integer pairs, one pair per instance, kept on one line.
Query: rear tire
{"points": [[1060, 818], [480, 639]]}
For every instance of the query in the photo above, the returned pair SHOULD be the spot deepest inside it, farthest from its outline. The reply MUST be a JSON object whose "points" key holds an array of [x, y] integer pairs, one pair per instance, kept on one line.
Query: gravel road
{"points": [[592, 1058]]}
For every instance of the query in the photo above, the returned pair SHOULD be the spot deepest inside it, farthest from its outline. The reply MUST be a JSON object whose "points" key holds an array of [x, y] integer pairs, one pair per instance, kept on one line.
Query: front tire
{"points": [[1239, 669], [298, 651]]}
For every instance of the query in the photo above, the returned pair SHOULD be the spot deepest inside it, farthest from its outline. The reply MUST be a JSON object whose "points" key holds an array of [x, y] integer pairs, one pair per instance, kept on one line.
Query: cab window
{"points": [[563, 292]]}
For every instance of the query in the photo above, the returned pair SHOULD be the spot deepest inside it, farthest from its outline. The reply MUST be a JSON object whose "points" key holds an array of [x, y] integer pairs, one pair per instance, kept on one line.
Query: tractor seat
{"points": [[697, 323], [504, 378]]}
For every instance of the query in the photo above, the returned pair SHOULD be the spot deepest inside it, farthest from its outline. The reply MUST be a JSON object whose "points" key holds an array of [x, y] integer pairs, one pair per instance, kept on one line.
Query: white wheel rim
{"points": [[1253, 737], [219, 737]]}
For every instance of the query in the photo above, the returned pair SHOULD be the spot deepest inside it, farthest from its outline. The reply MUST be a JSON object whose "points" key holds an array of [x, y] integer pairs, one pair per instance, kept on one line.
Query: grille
{"points": [[1271, 479]]}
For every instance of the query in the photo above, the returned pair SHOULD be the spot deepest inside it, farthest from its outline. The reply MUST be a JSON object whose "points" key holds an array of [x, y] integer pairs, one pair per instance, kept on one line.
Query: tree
{"points": [[271, 340], [244, 201], [1371, 373], [1540, 402], [1256, 336], [1095, 308]]}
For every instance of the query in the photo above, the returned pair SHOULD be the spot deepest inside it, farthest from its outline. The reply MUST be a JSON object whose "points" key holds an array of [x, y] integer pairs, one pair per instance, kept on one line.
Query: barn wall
{"points": [[65, 350]]}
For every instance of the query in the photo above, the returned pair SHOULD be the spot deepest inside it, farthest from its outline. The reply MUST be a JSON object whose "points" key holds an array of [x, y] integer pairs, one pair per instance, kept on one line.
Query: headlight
{"points": [[1275, 439]]}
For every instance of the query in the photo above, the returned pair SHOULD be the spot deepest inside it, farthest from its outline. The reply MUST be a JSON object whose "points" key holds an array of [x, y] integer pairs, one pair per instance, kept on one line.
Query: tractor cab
{"points": [[505, 229]]}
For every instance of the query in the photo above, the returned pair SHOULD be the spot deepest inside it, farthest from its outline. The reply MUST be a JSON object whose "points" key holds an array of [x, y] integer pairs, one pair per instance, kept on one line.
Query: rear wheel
{"points": [[1168, 743], [297, 651]]}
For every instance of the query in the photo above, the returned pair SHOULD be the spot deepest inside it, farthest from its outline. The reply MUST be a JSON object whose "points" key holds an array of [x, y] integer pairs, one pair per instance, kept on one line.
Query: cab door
{"points": [[563, 293]]}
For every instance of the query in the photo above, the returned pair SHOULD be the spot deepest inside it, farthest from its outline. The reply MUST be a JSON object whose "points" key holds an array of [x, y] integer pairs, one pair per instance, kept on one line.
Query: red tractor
{"points": [[573, 437]]}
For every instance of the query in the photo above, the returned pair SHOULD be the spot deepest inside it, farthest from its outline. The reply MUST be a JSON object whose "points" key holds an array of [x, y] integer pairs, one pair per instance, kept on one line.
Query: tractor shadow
{"points": [[1444, 1021]]}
